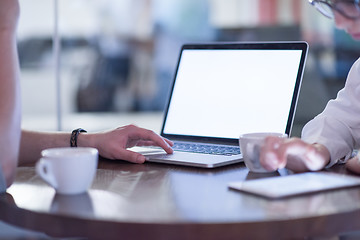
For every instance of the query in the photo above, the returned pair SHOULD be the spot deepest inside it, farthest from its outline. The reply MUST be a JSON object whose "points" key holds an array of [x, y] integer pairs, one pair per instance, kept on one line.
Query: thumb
{"points": [[131, 156]]}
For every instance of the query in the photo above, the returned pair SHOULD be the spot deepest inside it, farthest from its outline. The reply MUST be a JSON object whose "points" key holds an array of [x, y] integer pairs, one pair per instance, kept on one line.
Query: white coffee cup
{"points": [[68, 170], [250, 146]]}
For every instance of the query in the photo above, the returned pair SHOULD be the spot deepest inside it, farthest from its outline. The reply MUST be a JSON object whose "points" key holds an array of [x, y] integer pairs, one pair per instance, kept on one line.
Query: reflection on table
{"points": [[158, 201]]}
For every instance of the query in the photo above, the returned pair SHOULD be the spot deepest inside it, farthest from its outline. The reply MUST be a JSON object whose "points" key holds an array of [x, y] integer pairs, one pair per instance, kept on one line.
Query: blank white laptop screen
{"points": [[224, 93]]}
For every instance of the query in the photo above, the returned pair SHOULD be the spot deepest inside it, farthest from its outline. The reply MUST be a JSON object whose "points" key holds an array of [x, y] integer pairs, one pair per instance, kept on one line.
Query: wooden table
{"points": [[158, 201]]}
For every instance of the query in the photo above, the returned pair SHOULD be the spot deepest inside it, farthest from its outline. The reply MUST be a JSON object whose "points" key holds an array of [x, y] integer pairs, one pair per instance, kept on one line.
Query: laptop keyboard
{"points": [[206, 149]]}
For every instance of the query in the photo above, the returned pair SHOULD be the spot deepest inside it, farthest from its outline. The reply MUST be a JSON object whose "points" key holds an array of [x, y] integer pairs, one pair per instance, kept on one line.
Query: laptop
{"points": [[223, 90]]}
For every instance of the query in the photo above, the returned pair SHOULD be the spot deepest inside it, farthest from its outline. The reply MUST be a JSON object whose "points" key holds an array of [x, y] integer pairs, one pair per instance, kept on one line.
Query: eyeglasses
{"points": [[347, 8]]}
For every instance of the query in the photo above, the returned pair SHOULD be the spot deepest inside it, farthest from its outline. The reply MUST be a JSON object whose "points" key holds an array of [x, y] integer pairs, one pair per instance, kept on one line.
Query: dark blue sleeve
{"points": [[2, 181]]}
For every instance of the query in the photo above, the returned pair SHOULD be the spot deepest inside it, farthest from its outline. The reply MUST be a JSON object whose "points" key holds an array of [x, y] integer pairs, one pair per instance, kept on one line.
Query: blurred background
{"points": [[118, 57]]}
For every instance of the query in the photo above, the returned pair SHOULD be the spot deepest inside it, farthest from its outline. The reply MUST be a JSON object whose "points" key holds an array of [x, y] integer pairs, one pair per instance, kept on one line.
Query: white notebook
{"points": [[296, 184]]}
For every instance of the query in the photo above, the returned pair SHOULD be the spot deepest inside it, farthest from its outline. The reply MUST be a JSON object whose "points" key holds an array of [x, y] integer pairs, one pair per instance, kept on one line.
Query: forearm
{"points": [[10, 109], [332, 133], [337, 126], [32, 143]]}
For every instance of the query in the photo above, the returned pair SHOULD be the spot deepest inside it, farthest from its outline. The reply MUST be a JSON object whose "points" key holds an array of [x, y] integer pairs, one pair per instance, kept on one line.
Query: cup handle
{"points": [[43, 170]]}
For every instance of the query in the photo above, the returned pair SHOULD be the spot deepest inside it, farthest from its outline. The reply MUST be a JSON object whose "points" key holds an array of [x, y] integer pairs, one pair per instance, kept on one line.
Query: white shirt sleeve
{"points": [[338, 126]]}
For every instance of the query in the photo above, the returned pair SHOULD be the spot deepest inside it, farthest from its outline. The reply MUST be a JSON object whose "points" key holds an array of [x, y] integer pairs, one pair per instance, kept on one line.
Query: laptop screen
{"points": [[227, 90]]}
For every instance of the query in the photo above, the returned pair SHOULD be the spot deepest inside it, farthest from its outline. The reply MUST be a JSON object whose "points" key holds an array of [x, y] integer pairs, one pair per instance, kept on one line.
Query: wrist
{"points": [[75, 135], [85, 140]]}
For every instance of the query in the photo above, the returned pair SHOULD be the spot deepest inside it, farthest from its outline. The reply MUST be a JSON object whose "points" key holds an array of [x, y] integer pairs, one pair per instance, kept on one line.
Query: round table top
{"points": [[159, 201]]}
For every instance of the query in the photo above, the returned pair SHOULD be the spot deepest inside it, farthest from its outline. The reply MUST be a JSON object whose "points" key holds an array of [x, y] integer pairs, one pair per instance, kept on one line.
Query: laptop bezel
{"points": [[289, 45]]}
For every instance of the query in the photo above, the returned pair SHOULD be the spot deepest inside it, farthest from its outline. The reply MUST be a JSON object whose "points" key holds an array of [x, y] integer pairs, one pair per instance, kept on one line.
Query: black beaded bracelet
{"points": [[74, 135]]}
